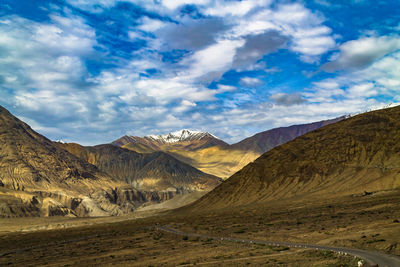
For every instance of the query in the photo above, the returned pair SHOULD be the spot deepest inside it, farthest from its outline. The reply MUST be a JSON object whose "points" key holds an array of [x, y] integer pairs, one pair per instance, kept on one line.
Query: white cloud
{"points": [[362, 52], [364, 90], [213, 61], [151, 25], [249, 81], [285, 99], [304, 30], [46, 73], [222, 88], [171, 122], [173, 4], [235, 8], [310, 38], [43, 66], [185, 105]]}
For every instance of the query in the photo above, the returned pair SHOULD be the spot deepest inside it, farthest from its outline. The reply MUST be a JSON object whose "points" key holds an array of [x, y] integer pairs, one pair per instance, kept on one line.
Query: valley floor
{"points": [[368, 222]]}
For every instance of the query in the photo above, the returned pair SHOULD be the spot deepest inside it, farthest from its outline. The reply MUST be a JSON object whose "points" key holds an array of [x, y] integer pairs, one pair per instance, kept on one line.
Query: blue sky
{"points": [[92, 71]]}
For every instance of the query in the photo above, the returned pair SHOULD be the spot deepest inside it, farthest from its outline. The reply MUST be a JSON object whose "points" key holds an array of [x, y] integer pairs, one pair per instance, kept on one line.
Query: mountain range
{"points": [[158, 175], [183, 140], [210, 154], [354, 156], [39, 177]]}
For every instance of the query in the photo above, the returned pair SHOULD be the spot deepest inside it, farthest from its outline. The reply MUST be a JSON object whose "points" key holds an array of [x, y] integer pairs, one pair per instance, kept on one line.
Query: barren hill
{"points": [[267, 140], [37, 178], [356, 155], [223, 161], [158, 175]]}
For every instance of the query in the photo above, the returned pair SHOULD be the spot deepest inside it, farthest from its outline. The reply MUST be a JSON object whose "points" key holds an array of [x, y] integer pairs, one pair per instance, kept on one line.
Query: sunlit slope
{"points": [[216, 157], [349, 157], [38, 178], [139, 148], [216, 160], [159, 176]]}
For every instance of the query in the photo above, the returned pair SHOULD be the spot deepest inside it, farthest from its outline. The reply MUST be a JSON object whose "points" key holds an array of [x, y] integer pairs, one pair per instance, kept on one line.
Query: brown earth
{"points": [[366, 221]]}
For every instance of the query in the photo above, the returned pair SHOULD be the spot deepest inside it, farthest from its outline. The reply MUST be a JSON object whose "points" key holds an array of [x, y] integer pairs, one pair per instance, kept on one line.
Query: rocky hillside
{"points": [[158, 175], [38, 178], [356, 155]]}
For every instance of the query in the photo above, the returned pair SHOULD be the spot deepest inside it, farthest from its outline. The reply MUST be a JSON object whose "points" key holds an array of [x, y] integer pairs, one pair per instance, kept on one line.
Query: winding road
{"points": [[371, 257]]}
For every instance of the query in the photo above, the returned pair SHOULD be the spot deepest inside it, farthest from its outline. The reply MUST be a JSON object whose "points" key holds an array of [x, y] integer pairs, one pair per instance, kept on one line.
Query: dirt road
{"points": [[371, 257]]}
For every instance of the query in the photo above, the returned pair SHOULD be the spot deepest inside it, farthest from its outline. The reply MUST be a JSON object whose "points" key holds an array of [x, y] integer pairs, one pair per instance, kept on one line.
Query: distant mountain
{"points": [[264, 141], [212, 155], [216, 160], [37, 178], [159, 176], [354, 156], [184, 139]]}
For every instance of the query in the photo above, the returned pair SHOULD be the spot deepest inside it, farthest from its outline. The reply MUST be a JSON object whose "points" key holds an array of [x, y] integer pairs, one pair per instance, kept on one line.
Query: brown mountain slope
{"points": [[138, 147], [223, 161], [158, 175], [216, 160], [37, 178], [349, 157]]}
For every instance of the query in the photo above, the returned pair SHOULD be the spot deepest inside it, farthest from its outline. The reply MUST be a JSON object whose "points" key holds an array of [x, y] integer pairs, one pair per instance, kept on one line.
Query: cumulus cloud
{"points": [[235, 8], [185, 105], [210, 63], [287, 99], [307, 35], [192, 34], [256, 46], [44, 61], [151, 25], [173, 4], [362, 52], [250, 81], [141, 67]]}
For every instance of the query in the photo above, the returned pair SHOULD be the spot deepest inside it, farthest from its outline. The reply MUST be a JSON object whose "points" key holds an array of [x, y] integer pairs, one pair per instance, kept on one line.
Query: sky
{"points": [[92, 71]]}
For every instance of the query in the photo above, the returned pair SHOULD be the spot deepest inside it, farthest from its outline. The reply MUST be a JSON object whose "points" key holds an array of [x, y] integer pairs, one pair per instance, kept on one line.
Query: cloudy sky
{"points": [[90, 71]]}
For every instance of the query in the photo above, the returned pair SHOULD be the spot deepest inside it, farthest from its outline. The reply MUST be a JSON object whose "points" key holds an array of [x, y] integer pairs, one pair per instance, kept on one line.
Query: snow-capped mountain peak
{"points": [[182, 135]]}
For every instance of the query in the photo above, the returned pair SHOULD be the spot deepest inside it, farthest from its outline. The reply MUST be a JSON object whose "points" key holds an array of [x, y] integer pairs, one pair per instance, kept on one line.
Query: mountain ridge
{"points": [[222, 159], [183, 139], [266, 140], [158, 175], [38, 178], [356, 155]]}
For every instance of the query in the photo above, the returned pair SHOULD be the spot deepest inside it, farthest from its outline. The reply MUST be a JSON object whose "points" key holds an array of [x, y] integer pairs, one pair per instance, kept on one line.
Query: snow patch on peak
{"points": [[182, 135]]}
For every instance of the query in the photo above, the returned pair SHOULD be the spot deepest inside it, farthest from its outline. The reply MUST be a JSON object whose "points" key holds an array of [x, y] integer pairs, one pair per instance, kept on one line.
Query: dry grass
{"points": [[367, 222], [137, 243]]}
